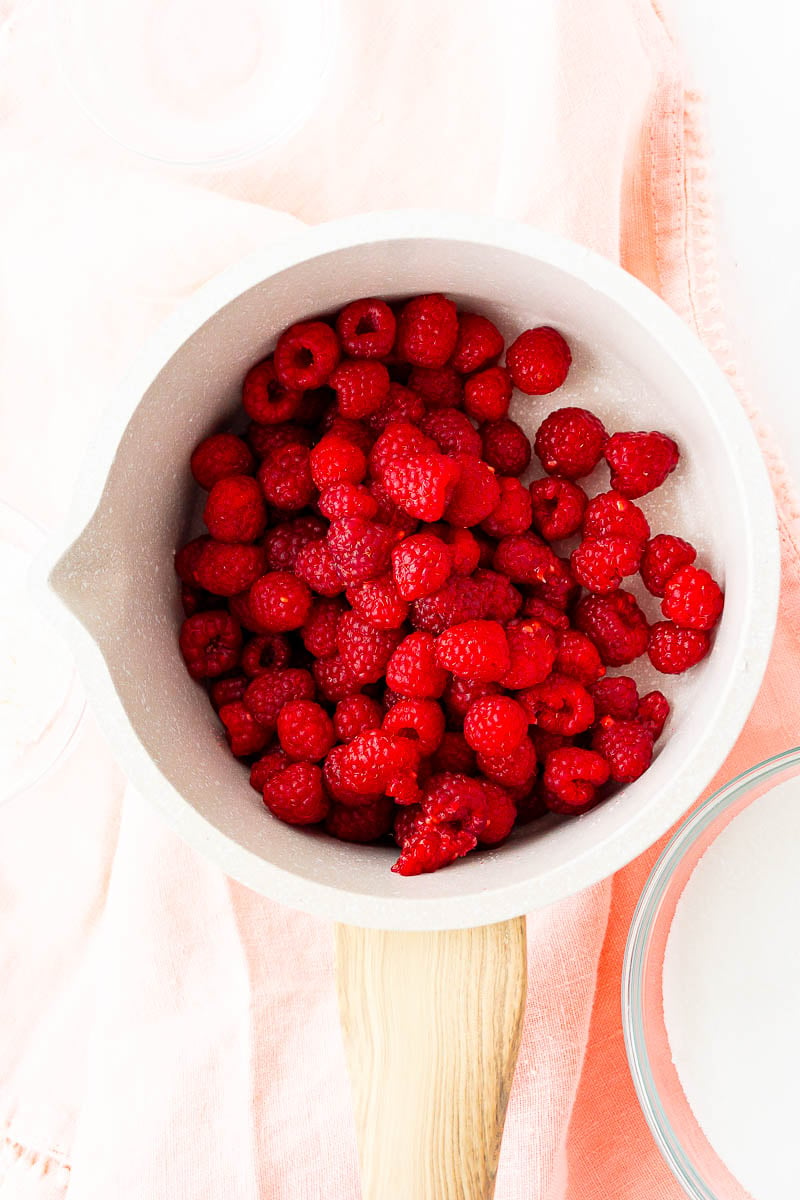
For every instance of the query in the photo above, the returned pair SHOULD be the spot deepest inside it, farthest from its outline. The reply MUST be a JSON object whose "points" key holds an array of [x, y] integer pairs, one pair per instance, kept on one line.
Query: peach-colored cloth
{"points": [[165, 1033]]}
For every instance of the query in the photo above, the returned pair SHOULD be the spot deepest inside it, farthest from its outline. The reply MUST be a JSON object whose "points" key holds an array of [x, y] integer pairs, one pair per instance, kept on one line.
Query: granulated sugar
{"points": [[732, 994]]}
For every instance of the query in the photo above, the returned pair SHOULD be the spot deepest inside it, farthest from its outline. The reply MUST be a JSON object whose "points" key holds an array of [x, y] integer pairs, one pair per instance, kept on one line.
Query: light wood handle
{"points": [[431, 1026]]}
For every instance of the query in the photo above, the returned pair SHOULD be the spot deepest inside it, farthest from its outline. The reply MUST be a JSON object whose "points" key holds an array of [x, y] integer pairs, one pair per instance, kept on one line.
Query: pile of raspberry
{"points": [[394, 635]]}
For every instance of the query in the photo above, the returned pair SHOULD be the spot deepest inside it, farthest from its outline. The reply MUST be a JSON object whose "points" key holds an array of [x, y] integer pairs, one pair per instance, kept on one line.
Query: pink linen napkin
{"points": [[165, 1033]]}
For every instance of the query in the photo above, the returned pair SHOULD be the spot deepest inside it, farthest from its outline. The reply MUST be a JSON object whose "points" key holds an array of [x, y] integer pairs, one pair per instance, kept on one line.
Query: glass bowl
{"points": [[673, 1124]]}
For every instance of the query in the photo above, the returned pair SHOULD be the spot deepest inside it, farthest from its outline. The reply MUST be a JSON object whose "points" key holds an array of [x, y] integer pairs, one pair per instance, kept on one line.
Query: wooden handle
{"points": [[431, 1025]]}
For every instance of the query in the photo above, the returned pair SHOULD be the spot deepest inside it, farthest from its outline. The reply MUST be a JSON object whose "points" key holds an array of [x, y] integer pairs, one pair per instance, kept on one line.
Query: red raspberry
{"points": [[427, 331], [347, 500], [413, 671], [264, 652], [187, 558], [315, 407], [544, 741], [218, 456], [439, 387], [420, 565], [663, 556], [459, 600], [525, 558], [570, 442], [283, 542], [422, 485], [265, 767], [457, 798], [627, 747], [266, 438], [427, 845], [540, 610], [334, 770], [226, 570], [532, 647], [315, 565], [538, 361], [420, 720], [558, 506], [234, 510], [269, 691], [365, 649], [297, 795], [615, 696], [244, 734], [400, 405], [368, 765], [305, 731], [228, 689], [616, 625], [502, 600], [379, 602], [479, 343], [460, 694], [600, 564], [692, 599], [452, 431], [501, 814], [652, 712], [401, 439], [239, 606], [640, 462], [306, 355], [559, 587], [612, 515], [453, 754], [388, 512], [360, 549], [578, 657], [210, 643], [364, 824], [280, 601], [335, 678], [506, 447], [488, 395], [285, 478], [559, 704], [572, 777], [352, 431], [495, 725], [266, 400], [474, 650], [366, 328], [356, 714], [476, 494], [361, 388], [334, 460], [195, 600], [511, 770], [513, 512], [673, 650]]}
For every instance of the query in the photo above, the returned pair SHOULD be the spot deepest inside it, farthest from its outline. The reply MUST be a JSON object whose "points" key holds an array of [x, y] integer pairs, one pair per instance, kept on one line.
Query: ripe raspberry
{"points": [[459, 600], [360, 549], [195, 600], [269, 691], [422, 485], [365, 649], [475, 495], [361, 388], [613, 515], [570, 442], [600, 564], [488, 395], [264, 652], [640, 462], [627, 747], [297, 795], [280, 601], [366, 328], [559, 587], [305, 731], [234, 510], [265, 767], [525, 558], [379, 602], [502, 600], [540, 610], [356, 432], [663, 556], [474, 650], [544, 741], [616, 625], [673, 650], [452, 431], [501, 814], [513, 512], [413, 671], [615, 696], [210, 643], [511, 770], [239, 607], [335, 678], [479, 343], [244, 734], [226, 570], [559, 704], [306, 355], [228, 689], [266, 438], [285, 478], [400, 405], [420, 565], [495, 725], [439, 387], [572, 777], [364, 824], [266, 400], [506, 447], [315, 565], [356, 714], [652, 712], [455, 798], [388, 512], [578, 657], [187, 558], [538, 361], [460, 694], [218, 456], [692, 599], [532, 649], [427, 331], [368, 765], [334, 460], [453, 754], [347, 500], [558, 506], [284, 541], [401, 439], [420, 720], [427, 845], [315, 407]]}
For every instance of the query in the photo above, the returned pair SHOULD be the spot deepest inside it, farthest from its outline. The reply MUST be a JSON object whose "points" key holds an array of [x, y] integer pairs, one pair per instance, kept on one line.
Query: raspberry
{"points": [[365, 649], [627, 747], [439, 387], [210, 643], [388, 512], [559, 586], [540, 610], [239, 607], [266, 438], [452, 431], [356, 714], [228, 689], [544, 741], [280, 601], [453, 754], [234, 510], [420, 565], [558, 506], [195, 600], [366, 328], [369, 764], [413, 671], [450, 797], [525, 558], [488, 395], [297, 795], [479, 343], [364, 824], [226, 570], [464, 548], [663, 556], [283, 542], [379, 602], [461, 694], [269, 691], [285, 478], [306, 355], [420, 720], [427, 845], [511, 770], [559, 705], [360, 549], [475, 495], [613, 515], [616, 625], [501, 814], [218, 456], [305, 731], [538, 361], [267, 766], [335, 678], [361, 388], [502, 600], [266, 400], [244, 734], [315, 565], [652, 712], [692, 599], [505, 446], [475, 650], [513, 512], [352, 431], [427, 331], [263, 652], [459, 600], [421, 485], [334, 460], [615, 696], [570, 442], [640, 462], [401, 439], [572, 777], [495, 725], [600, 564], [400, 405], [532, 648], [187, 558], [673, 650], [347, 500]]}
